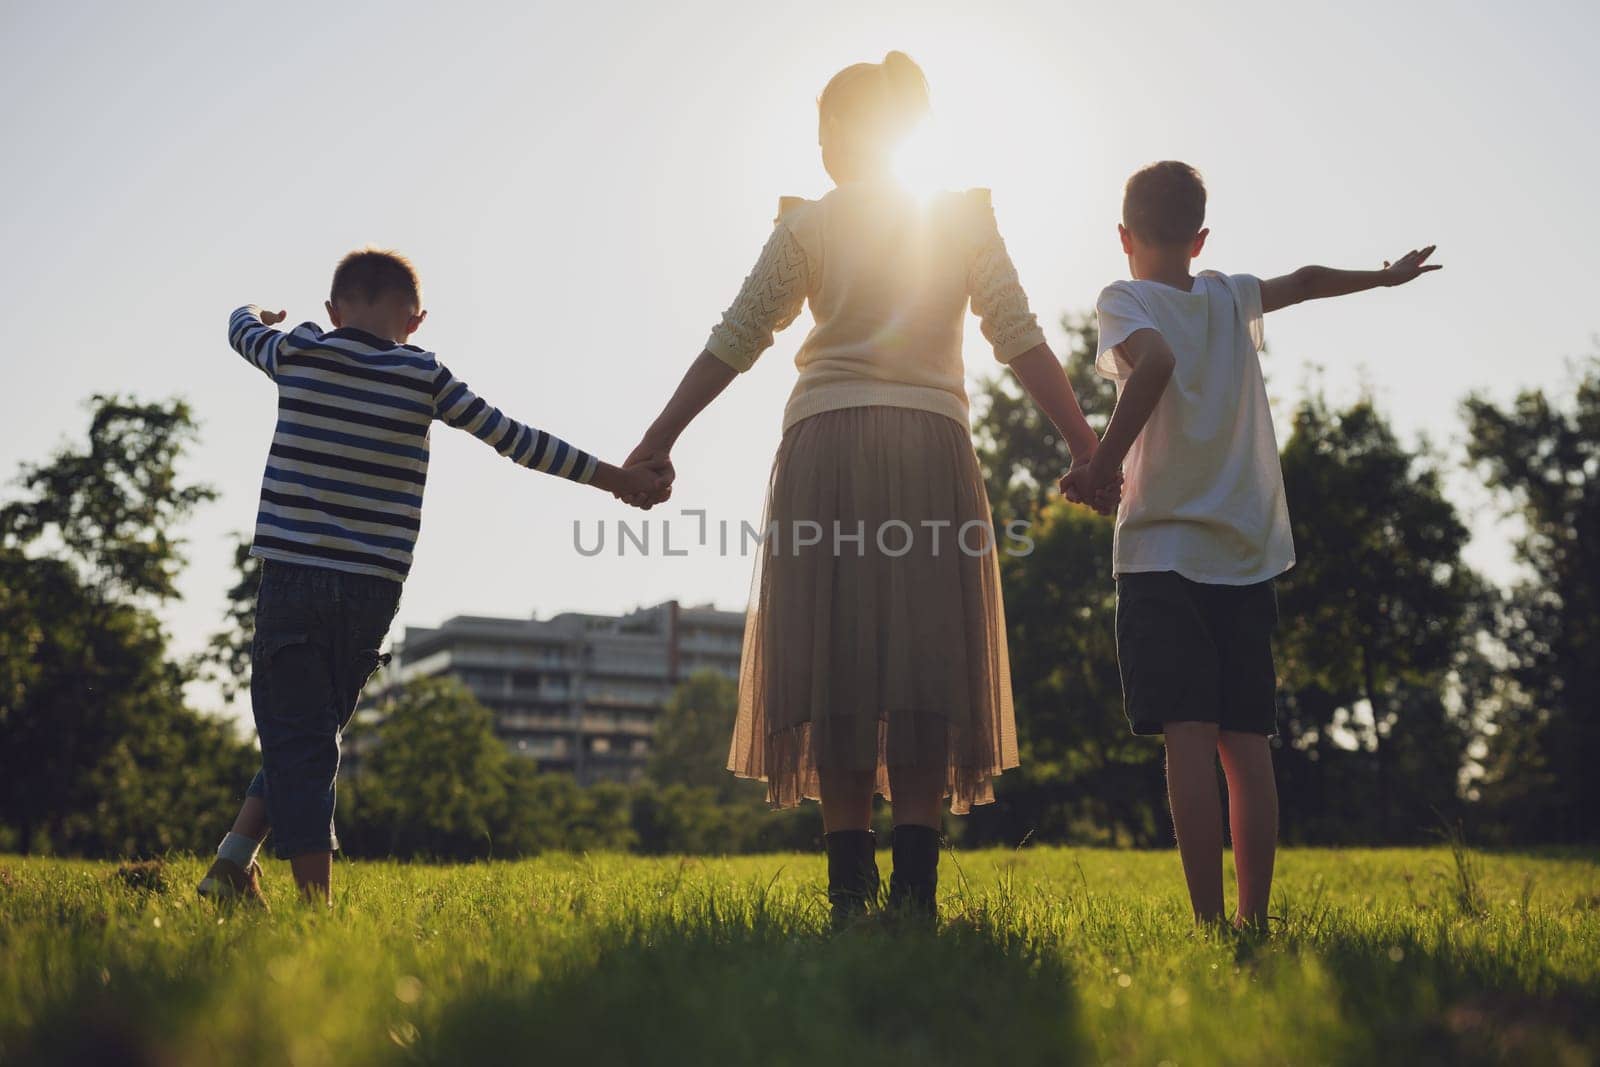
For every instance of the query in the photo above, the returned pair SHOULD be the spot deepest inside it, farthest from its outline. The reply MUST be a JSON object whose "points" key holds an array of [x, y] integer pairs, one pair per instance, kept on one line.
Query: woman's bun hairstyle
{"points": [[908, 90], [877, 102]]}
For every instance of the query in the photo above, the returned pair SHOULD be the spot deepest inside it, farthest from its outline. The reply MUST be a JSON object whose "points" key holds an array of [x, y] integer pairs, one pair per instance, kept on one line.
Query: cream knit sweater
{"points": [[888, 277]]}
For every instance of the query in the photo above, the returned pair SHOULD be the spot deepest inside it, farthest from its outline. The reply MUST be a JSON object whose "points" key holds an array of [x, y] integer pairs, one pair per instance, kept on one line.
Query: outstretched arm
{"points": [[251, 334], [1318, 283], [455, 404], [642, 481]]}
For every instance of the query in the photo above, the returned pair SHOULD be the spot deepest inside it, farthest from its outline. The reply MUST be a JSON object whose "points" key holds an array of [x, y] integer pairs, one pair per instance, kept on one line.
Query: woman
{"points": [[875, 651]]}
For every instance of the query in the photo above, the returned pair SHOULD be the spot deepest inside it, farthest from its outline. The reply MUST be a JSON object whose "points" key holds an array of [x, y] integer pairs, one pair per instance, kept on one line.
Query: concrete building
{"points": [[578, 693]]}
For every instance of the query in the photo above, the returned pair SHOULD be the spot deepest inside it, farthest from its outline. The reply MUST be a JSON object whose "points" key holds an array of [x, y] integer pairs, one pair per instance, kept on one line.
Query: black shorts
{"points": [[1193, 652]]}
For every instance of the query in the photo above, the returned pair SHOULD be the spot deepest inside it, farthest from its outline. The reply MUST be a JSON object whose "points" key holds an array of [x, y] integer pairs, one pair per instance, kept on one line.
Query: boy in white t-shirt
{"points": [[1203, 528]]}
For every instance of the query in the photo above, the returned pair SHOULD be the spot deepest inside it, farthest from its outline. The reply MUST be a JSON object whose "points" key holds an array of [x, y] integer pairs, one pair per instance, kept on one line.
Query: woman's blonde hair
{"points": [[875, 104]]}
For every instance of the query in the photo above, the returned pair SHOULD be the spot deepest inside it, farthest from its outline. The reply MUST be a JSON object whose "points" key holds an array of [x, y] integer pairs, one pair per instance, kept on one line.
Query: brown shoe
{"points": [[227, 881]]}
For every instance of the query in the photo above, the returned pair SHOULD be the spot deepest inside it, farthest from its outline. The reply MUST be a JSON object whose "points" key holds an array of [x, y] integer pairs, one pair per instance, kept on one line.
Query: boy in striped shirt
{"points": [[341, 503]]}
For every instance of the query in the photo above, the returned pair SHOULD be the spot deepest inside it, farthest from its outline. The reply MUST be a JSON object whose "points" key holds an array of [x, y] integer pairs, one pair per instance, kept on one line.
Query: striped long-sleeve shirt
{"points": [[349, 459]]}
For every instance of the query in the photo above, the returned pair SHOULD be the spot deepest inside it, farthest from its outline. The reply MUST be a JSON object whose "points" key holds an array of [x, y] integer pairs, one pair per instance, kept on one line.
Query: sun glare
{"points": [[925, 162]]}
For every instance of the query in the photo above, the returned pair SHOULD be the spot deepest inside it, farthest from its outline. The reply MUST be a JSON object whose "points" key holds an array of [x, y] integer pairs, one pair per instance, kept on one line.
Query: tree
{"points": [[1544, 462], [691, 802], [433, 781], [111, 509], [98, 753], [690, 820], [1375, 622], [690, 745], [226, 660], [172, 783], [431, 778], [549, 811], [1017, 447], [1084, 776]]}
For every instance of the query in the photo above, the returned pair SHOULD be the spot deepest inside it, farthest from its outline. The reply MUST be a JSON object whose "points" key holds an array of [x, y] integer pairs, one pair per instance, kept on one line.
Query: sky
{"points": [[584, 186]]}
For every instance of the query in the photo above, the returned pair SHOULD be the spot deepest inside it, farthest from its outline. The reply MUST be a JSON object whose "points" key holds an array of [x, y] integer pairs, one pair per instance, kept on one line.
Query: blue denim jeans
{"points": [[317, 637]]}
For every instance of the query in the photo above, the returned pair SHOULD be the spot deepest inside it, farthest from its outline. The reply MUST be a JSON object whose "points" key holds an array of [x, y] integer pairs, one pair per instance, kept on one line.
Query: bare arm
{"points": [[1152, 362], [1045, 381], [1318, 283], [771, 297], [702, 383]]}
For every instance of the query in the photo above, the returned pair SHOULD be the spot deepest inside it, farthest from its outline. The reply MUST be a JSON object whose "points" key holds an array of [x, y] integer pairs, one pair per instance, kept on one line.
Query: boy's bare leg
{"points": [[1196, 812], [313, 874], [252, 819], [1253, 816]]}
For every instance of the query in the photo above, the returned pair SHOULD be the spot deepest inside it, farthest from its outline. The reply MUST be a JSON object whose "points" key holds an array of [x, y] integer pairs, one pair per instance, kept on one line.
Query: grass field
{"points": [[1046, 956]]}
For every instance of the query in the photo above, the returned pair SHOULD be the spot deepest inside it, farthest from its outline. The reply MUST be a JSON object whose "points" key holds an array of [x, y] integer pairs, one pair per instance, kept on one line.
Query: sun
{"points": [[926, 162]]}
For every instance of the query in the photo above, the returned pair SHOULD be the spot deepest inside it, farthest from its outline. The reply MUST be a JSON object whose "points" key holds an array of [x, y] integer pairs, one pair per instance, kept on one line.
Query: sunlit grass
{"points": [[1046, 956]]}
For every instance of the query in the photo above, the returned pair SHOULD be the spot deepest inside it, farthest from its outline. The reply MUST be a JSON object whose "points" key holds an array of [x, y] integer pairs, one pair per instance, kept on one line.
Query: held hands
{"points": [[650, 474], [1084, 485], [1409, 266], [645, 480]]}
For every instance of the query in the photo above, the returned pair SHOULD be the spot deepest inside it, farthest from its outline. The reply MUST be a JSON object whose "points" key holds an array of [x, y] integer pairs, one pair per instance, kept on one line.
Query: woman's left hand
{"points": [[648, 451]]}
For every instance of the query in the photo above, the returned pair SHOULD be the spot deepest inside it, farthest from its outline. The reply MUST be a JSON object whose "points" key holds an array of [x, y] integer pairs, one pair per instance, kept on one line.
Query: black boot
{"points": [[914, 883], [852, 874]]}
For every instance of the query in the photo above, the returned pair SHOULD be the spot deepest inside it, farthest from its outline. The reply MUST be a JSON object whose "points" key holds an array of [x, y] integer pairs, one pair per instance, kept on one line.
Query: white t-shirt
{"points": [[1203, 491]]}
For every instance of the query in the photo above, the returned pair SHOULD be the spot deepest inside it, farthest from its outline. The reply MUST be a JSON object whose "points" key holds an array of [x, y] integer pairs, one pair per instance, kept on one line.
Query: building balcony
{"points": [[551, 723], [625, 700]]}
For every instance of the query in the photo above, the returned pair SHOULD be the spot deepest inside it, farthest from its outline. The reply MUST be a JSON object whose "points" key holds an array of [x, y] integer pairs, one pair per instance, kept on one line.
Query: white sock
{"points": [[239, 849]]}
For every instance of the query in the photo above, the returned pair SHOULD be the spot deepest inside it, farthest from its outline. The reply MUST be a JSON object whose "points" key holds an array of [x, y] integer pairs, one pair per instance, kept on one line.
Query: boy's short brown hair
{"points": [[370, 274], [1165, 203]]}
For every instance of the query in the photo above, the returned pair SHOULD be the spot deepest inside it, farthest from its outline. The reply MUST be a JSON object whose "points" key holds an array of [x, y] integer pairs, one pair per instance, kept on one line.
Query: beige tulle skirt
{"points": [[875, 640]]}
